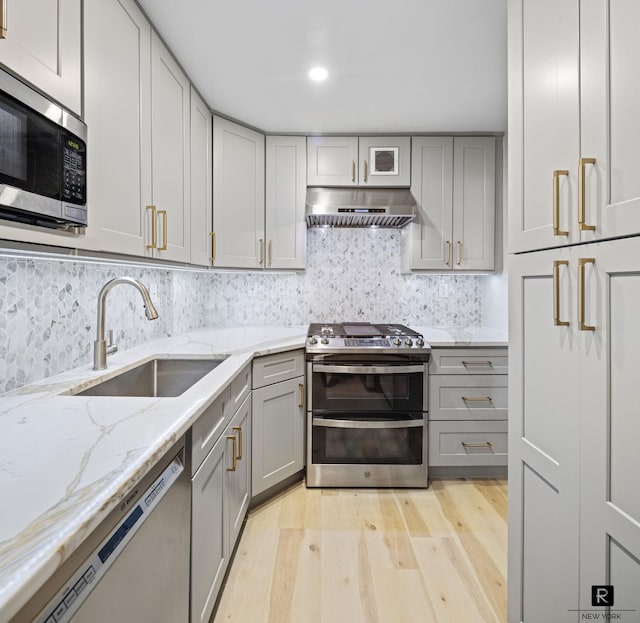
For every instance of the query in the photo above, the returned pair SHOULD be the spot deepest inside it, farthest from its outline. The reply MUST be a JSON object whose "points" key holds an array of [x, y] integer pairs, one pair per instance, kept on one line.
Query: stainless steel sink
{"points": [[155, 378]]}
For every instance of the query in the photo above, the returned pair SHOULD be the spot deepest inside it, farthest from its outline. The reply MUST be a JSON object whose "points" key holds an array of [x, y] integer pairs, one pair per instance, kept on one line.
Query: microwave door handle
{"points": [[338, 369], [333, 423]]}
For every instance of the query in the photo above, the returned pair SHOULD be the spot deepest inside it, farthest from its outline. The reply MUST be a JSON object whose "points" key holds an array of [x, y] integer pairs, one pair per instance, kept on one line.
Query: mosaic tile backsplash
{"points": [[48, 306]]}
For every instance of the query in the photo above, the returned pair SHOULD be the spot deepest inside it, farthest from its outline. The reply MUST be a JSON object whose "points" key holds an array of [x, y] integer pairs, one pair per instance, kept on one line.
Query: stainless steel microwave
{"points": [[43, 159]]}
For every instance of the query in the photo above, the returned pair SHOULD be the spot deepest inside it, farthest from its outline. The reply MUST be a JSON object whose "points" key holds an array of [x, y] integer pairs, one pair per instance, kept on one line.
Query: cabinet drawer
{"points": [[208, 428], [279, 367], [468, 361], [468, 397], [468, 443], [240, 388]]}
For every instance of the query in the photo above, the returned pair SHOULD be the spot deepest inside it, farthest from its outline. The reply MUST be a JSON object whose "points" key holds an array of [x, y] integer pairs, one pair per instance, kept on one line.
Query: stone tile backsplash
{"points": [[48, 305]]}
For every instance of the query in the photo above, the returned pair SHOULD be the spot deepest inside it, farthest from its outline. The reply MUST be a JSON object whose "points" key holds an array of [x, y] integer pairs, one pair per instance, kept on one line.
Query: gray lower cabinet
{"points": [[468, 407], [221, 491], [278, 419]]}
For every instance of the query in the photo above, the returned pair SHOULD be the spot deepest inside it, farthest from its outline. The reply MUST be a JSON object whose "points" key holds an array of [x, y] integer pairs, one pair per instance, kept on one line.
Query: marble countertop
{"points": [[67, 461]]}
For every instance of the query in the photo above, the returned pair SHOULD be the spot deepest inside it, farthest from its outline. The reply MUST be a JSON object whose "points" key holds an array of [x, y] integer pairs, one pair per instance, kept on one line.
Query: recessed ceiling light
{"points": [[318, 74]]}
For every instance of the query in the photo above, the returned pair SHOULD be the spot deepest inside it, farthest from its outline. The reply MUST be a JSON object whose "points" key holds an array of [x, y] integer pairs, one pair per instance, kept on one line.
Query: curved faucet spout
{"points": [[100, 346]]}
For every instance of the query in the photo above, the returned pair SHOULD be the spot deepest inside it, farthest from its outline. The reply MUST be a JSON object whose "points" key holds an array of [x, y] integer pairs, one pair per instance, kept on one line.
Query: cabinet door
{"points": [[170, 108], [209, 533], [238, 479], [610, 125], [42, 43], [384, 160], [278, 433], [285, 227], [332, 161], [431, 245], [610, 427], [544, 118], [544, 427], [201, 188], [117, 111], [474, 202], [238, 195]]}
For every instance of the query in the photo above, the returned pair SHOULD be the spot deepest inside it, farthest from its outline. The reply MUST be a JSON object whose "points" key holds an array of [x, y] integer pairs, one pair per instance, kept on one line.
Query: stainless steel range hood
{"points": [[359, 207]]}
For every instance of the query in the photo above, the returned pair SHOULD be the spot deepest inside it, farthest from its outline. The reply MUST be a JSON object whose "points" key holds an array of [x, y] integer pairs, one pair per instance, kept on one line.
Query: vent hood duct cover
{"points": [[359, 207]]}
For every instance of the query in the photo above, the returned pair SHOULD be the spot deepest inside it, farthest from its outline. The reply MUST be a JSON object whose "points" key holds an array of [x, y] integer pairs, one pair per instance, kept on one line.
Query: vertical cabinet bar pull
{"points": [[582, 262], [234, 453], [556, 203], [164, 230], [239, 429], [448, 262], [364, 170], [261, 258], [154, 227], [213, 246], [581, 195], [556, 293], [3, 19], [270, 252], [353, 171], [301, 388], [459, 253]]}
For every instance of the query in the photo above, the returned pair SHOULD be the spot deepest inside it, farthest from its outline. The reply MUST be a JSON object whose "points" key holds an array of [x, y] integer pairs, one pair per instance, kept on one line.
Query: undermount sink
{"points": [[156, 378]]}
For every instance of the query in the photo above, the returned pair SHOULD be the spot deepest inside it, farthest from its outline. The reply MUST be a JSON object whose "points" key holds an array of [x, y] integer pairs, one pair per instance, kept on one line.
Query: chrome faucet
{"points": [[100, 349]]}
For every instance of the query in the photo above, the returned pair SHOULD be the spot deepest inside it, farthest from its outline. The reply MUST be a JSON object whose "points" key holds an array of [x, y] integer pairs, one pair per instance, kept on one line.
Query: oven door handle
{"points": [[338, 369], [332, 423]]}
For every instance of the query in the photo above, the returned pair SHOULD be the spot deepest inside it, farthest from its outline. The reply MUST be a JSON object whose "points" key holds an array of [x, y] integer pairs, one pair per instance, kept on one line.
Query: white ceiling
{"points": [[394, 65]]}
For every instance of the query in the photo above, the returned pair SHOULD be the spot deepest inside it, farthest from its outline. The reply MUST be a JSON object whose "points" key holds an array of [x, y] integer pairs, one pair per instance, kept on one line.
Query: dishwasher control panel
{"points": [[69, 598]]}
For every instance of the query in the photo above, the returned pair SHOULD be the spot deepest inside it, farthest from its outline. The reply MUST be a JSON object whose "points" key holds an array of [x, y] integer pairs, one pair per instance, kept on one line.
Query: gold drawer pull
{"points": [[233, 454], [556, 293], [239, 429], [477, 398], [448, 262], [477, 363], [459, 262], [582, 262], [154, 227], [213, 246], [581, 195], [164, 230], [301, 387], [353, 171], [3, 19], [556, 203], [364, 169], [486, 444]]}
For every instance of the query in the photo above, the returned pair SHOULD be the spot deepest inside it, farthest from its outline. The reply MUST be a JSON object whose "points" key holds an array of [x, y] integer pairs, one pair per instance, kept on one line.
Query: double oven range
{"points": [[367, 406]]}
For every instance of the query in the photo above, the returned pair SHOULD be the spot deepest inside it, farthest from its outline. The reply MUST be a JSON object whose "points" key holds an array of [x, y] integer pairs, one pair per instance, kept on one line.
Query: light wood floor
{"points": [[373, 556]]}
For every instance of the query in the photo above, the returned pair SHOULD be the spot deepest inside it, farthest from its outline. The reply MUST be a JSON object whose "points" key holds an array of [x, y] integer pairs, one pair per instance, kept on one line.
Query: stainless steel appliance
{"points": [[42, 159], [135, 565], [367, 406]]}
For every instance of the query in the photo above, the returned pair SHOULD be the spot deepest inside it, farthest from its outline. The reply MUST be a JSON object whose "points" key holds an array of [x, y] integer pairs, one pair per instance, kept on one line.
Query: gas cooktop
{"points": [[364, 337]]}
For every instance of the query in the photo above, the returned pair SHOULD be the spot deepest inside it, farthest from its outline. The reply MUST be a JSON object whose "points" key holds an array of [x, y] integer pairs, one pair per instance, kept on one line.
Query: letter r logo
{"points": [[602, 595]]}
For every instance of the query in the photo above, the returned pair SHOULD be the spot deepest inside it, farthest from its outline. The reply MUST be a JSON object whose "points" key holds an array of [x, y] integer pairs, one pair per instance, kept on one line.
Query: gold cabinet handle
{"points": [[164, 230], [582, 262], [261, 258], [239, 429], [234, 458], [353, 171], [270, 252], [364, 170], [581, 195], [3, 19], [556, 202], [448, 262], [213, 246], [486, 444], [154, 228], [301, 388], [477, 398], [556, 293], [459, 253]]}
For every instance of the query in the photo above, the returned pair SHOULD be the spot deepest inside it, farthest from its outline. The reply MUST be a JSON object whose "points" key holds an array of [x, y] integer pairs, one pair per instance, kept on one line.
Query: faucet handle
{"points": [[111, 347]]}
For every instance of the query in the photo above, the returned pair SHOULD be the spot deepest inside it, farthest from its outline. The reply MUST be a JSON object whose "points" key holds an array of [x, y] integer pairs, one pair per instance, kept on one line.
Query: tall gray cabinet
{"points": [[574, 510]]}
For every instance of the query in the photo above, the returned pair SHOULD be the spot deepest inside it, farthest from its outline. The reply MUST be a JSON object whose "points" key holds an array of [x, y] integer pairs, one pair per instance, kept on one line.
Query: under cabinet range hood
{"points": [[359, 207]]}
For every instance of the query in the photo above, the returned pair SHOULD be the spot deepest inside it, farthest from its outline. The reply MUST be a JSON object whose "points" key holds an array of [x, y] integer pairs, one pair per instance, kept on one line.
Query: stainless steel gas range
{"points": [[367, 406]]}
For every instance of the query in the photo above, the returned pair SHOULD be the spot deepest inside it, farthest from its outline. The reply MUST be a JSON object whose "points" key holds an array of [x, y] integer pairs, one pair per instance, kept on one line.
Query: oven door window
{"points": [[368, 439], [367, 388]]}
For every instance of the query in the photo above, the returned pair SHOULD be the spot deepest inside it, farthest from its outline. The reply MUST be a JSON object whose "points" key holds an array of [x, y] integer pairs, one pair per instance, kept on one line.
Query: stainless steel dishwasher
{"points": [[135, 565]]}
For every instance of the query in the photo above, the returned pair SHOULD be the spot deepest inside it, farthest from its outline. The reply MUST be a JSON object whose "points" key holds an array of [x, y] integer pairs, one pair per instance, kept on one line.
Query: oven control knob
{"points": [[325, 340], [313, 340], [420, 342], [408, 342], [397, 341]]}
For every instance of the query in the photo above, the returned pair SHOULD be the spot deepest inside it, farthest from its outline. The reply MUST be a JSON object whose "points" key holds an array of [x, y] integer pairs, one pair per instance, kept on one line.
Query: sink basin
{"points": [[155, 378]]}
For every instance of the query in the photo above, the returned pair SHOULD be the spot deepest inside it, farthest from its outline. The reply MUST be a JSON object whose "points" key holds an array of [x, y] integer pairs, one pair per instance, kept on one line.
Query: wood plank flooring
{"points": [[373, 556]]}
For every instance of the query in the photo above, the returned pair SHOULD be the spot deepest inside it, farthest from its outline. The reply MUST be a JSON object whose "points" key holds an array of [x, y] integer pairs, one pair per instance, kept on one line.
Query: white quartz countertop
{"points": [[67, 461]]}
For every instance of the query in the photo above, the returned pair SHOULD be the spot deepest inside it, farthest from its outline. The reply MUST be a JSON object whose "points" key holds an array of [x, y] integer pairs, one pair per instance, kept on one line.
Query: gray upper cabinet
{"points": [[359, 161], [286, 230], [238, 195]]}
